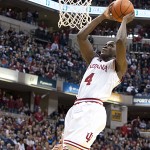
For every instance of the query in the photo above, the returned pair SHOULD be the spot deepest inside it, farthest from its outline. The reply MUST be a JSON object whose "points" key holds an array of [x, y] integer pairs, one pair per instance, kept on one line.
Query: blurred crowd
{"points": [[24, 132], [20, 132], [25, 129], [27, 16], [137, 79], [28, 129], [12, 104], [55, 59], [52, 60], [137, 33]]}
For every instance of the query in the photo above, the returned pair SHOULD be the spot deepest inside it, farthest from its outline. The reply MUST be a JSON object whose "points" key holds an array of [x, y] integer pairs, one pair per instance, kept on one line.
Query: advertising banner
{"points": [[116, 115], [70, 88], [44, 82], [140, 101], [93, 10]]}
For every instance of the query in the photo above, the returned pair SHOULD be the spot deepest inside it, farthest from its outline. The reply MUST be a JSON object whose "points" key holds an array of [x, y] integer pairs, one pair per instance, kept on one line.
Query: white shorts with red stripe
{"points": [[83, 122]]}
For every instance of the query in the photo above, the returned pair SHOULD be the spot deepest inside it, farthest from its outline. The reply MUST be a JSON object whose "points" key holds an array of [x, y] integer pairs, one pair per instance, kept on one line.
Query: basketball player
{"points": [[87, 118]]}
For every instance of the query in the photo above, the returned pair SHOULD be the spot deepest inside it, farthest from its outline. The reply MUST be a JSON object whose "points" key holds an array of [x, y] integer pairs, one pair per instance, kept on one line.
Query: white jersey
{"points": [[99, 80]]}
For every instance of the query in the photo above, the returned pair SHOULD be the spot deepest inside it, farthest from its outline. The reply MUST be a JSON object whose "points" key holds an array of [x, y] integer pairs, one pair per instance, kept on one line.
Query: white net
{"points": [[74, 13]]}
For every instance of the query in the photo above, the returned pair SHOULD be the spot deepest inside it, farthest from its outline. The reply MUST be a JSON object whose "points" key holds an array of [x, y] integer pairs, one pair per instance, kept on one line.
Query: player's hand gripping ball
{"points": [[121, 8]]}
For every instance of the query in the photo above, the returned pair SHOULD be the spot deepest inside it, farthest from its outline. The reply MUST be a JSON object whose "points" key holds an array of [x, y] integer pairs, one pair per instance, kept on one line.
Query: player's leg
{"points": [[76, 130], [87, 121]]}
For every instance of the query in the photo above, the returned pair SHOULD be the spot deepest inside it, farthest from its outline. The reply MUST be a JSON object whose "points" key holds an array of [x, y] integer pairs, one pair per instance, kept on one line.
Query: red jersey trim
{"points": [[92, 100], [75, 145]]}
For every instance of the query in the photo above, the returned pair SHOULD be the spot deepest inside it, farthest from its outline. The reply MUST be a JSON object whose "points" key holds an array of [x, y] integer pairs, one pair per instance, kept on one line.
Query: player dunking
{"points": [[87, 118]]}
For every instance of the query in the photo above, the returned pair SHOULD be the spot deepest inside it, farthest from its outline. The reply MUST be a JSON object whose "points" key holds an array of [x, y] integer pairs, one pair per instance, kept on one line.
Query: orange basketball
{"points": [[120, 8]]}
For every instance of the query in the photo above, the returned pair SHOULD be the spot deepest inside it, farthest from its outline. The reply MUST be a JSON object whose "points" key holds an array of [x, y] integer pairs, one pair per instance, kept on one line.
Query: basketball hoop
{"points": [[74, 14]]}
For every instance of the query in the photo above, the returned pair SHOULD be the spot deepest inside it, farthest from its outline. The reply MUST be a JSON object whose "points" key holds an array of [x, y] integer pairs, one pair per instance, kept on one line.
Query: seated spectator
{"points": [[11, 104], [2, 145], [148, 125], [54, 46], [26, 110], [131, 89], [142, 125], [135, 133], [19, 105], [135, 122], [29, 142]]}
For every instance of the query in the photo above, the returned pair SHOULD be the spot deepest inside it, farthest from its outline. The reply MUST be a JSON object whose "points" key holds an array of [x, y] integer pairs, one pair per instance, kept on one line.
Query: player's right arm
{"points": [[85, 46]]}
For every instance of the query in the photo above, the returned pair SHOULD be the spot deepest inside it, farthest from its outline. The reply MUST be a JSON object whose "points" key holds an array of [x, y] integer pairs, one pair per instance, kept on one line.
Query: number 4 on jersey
{"points": [[89, 79]]}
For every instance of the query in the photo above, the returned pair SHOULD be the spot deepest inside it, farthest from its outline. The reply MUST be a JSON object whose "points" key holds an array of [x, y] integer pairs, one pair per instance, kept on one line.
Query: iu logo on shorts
{"points": [[89, 136]]}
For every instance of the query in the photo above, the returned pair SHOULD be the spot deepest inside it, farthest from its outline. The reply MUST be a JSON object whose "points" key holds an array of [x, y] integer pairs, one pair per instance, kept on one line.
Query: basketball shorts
{"points": [[83, 122]]}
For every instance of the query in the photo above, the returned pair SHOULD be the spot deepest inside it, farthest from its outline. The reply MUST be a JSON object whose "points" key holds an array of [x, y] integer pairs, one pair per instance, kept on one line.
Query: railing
{"points": [[4, 113], [7, 25]]}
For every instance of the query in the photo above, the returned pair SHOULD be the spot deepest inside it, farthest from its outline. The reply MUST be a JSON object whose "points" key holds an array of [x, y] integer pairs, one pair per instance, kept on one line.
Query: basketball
{"points": [[120, 8]]}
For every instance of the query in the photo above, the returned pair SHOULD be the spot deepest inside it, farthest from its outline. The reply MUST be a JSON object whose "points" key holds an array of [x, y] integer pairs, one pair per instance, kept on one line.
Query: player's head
{"points": [[109, 50]]}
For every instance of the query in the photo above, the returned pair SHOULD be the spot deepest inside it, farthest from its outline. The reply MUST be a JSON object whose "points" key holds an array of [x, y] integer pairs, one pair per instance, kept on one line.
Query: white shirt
{"points": [[54, 46], [30, 142], [21, 146]]}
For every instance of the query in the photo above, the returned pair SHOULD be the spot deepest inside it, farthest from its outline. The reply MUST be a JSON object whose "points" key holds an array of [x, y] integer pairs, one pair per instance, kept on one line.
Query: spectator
{"points": [[38, 116], [26, 110], [135, 133], [37, 100], [54, 46], [124, 130], [19, 105], [21, 145], [131, 89], [135, 123], [142, 125], [11, 104], [2, 145], [29, 142]]}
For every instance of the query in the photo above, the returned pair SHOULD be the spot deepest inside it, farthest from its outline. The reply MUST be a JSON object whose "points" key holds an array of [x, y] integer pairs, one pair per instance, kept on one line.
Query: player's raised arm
{"points": [[82, 36], [121, 40]]}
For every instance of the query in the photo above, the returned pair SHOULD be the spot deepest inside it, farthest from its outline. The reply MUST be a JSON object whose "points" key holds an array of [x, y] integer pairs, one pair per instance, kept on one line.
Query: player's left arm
{"points": [[121, 40]]}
